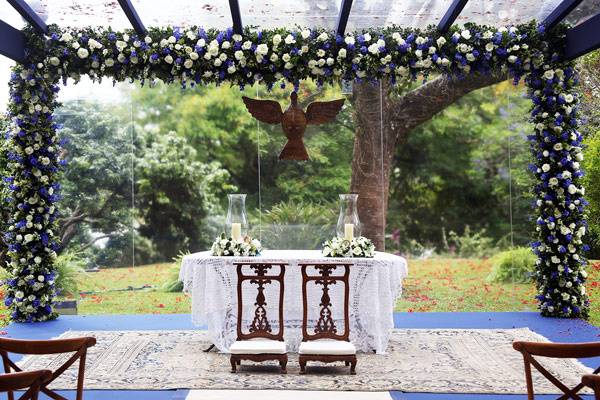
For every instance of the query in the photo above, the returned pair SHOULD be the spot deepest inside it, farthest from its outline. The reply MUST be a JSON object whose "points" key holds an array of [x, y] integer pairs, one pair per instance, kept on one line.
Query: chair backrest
{"points": [[31, 380], [326, 276], [77, 346], [554, 350], [260, 327]]}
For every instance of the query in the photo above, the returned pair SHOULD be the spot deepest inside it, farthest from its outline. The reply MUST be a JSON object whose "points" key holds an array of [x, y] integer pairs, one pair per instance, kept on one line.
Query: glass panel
{"points": [[210, 14], [281, 13], [83, 13], [506, 12], [585, 10], [298, 200], [415, 13], [97, 225], [9, 15]]}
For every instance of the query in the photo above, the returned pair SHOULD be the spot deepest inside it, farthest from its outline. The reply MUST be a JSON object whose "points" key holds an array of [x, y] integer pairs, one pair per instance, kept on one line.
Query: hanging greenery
{"points": [[190, 56]]}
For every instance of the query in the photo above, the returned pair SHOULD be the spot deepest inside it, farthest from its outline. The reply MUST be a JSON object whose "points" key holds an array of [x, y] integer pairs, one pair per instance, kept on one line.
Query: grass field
{"points": [[433, 285]]}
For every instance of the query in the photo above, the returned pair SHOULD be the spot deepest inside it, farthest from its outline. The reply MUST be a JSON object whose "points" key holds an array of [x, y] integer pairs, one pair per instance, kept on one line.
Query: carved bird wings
{"points": [[269, 111], [322, 112]]}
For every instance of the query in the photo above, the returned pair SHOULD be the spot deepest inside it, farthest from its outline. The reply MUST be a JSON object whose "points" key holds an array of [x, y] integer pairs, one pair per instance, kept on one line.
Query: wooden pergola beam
{"points": [[29, 15], [133, 17], [583, 38], [236, 16], [343, 17], [12, 44], [560, 13], [453, 12]]}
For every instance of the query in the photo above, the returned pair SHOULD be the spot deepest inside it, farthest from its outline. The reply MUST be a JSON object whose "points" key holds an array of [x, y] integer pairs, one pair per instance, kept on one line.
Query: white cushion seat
{"points": [[258, 346], [329, 347]]}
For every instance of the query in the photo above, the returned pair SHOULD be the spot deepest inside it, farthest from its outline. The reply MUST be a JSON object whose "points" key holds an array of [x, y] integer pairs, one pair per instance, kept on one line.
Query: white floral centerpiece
{"points": [[243, 247], [341, 247]]}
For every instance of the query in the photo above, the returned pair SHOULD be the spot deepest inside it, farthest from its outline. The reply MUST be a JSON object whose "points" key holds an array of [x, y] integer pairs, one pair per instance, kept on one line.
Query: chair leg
{"points": [[353, 367], [302, 366], [347, 363], [233, 364], [283, 363], [80, 376]]}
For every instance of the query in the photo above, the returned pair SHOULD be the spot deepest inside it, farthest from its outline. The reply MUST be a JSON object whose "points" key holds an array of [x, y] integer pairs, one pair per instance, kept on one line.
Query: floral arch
{"points": [[194, 56]]}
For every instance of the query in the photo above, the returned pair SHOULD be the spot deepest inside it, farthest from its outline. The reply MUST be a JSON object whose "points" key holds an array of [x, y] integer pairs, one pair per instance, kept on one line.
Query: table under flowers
{"points": [[375, 284]]}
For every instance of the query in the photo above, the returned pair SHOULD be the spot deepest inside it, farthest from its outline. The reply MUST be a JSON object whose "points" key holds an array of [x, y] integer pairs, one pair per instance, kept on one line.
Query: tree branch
{"points": [[94, 240]]}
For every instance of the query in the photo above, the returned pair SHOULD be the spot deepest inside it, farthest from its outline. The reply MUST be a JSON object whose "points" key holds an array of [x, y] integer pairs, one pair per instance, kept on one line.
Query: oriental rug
{"points": [[417, 360]]}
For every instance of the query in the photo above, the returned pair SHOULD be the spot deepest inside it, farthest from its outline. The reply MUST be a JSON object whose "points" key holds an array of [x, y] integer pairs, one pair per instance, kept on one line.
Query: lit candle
{"points": [[236, 231], [348, 231]]}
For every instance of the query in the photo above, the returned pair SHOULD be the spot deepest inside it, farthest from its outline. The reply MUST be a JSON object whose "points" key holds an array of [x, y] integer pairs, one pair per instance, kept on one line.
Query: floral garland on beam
{"points": [[283, 57]]}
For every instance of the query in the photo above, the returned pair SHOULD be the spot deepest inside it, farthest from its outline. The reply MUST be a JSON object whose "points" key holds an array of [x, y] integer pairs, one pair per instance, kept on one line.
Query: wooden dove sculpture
{"points": [[294, 120]]}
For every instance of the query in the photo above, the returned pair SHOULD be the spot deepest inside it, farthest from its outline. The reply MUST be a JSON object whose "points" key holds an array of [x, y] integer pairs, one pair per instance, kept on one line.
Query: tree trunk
{"points": [[384, 122]]}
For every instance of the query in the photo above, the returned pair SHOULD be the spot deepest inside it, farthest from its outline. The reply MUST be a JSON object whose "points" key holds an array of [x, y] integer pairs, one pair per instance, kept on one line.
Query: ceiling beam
{"points": [[583, 38], [560, 13], [236, 17], [133, 17], [343, 17], [29, 15], [453, 11], [12, 44]]}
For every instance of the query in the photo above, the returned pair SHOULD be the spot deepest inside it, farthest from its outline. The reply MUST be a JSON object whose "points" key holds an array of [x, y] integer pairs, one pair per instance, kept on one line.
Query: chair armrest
{"points": [[39, 347], [592, 381], [559, 350], [22, 380]]}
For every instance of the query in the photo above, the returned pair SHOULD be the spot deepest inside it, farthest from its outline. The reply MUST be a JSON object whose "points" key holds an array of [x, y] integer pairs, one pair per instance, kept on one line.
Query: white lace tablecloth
{"points": [[375, 284]]}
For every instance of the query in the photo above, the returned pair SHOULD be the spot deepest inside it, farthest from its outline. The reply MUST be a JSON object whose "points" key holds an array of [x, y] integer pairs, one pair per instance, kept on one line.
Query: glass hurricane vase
{"points": [[237, 220], [348, 225]]}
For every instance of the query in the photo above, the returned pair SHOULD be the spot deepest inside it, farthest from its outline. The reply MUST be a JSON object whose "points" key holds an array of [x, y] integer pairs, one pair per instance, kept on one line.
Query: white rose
{"points": [[148, 39], [349, 40], [546, 167], [569, 98], [342, 53], [66, 37], [82, 53], [262, 49], [286, 57], [274, 57], [323, 37], [194, 55], [289, 39], [109, 62], [54, 61], [441, 41], [367, 37], [512, 59], [549, 74], [231, 69], [169, 59], [305, 33], [466, 34], [276, 39], [188, 63]]}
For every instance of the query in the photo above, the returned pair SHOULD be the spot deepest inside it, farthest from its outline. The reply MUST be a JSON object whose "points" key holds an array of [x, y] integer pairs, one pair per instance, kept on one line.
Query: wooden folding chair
{"points": [[554, 350], [31, 380], [592, 381], [77, 346], [260, 343], [325, 344]]}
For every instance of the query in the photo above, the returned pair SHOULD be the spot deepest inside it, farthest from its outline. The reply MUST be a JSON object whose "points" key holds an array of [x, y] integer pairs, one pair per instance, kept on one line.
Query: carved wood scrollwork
{"points": [[260, 327], [325, 326]]}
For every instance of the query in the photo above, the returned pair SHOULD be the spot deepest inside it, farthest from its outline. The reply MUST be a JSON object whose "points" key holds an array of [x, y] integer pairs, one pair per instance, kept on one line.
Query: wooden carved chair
{"points": [[554, 350], [325, 343], [259, 343], [77, 346], [592, 381], [31, 380]]}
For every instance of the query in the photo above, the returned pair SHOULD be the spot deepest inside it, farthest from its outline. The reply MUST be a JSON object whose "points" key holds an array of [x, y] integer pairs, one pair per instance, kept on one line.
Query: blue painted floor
{"points": [[557, 330]]}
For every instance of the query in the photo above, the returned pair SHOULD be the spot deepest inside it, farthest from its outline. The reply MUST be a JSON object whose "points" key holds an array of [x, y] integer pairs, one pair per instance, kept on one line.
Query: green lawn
{"points": [[433, 285]]}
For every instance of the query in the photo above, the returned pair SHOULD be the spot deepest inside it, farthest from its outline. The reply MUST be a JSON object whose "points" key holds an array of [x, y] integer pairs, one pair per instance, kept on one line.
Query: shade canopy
{"points": [[283, 13]]}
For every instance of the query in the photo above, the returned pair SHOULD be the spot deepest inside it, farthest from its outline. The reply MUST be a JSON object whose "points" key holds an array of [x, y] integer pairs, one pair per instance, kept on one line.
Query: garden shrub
{"points": [[69, 266], [513, 266], [471, 244]]}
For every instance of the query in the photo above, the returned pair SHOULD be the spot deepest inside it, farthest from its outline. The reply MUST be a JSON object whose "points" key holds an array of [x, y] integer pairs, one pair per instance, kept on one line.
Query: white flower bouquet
{"points": [[357, 247], [227, 246]]}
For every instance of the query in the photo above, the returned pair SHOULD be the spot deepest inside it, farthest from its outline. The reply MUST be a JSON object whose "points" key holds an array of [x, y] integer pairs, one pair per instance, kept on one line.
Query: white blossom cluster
{"points": [[226, 246], [357, 247]]}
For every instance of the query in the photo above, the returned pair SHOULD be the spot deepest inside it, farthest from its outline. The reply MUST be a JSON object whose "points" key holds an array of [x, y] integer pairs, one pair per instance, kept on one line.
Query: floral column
{"points": [[561, 225], [33, 182]]}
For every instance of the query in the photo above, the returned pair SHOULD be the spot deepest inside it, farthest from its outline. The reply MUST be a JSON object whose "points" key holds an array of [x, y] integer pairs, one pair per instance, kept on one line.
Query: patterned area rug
{"points": [[418, 360]]}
